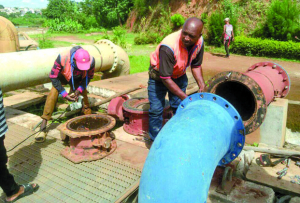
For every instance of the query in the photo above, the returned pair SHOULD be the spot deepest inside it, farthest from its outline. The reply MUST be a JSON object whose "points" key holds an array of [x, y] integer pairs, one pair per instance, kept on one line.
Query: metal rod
{"points": [[272, 151]]}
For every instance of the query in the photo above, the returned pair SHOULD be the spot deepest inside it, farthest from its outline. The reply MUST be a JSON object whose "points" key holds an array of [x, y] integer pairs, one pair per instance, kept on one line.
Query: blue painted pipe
{"points": [[205, 132]]}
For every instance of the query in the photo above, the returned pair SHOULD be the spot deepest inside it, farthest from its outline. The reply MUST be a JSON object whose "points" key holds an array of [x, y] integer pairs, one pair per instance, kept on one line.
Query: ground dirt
{"points": [[72, 39]]}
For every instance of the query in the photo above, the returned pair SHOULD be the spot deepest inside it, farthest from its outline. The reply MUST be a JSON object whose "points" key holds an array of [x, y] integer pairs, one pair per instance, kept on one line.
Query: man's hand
{"points": [[76, 95], [201, 87], [173, 87], [69, 98]]}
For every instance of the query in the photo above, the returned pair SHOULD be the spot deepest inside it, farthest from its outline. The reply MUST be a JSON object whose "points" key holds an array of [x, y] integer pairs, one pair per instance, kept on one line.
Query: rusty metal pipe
{"points": [[251, 92], [30, 68]]}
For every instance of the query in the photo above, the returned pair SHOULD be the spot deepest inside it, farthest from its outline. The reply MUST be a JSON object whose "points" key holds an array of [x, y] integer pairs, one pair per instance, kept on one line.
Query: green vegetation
{"points": [[177, 20], [139, 64], [282, 22], [271, 48], [110, 13], [29, 19], [279, 20]]}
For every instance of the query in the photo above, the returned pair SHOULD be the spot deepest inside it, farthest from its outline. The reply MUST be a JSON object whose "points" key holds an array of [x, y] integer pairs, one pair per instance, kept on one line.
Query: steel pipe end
{"points": [[244, 94], [286, 82], [237, 134], [120, 61]]}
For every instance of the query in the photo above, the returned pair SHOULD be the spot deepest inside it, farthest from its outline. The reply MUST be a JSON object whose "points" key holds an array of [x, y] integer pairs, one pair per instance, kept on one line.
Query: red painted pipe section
{"points": [[135, 114], [251, 92]]}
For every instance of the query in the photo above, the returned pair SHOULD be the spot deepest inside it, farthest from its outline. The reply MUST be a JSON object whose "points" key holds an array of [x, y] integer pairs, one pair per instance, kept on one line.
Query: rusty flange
{"points": [[115, 107], [244, 94], [90, 137], [136, 114], [87, 125]]}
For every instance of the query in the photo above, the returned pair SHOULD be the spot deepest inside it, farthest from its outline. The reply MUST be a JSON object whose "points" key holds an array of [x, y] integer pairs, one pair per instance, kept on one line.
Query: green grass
{"points": [[139, 64]]}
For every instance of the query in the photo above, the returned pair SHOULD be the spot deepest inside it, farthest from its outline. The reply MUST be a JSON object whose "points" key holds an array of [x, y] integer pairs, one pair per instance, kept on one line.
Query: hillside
{"points": [[250, 12]]}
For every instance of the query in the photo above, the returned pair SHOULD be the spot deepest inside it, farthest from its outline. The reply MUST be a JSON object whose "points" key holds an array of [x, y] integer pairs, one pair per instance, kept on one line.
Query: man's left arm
{"points": [[90, 74], [197, 69]]}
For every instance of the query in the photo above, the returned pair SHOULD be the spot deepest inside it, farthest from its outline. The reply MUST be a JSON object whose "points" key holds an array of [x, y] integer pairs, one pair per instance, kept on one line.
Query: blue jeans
{"points": [[156, 93]]}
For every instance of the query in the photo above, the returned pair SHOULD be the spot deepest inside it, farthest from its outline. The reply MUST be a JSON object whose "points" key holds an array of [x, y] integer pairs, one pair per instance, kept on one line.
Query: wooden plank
{"points": [[267, 176]]}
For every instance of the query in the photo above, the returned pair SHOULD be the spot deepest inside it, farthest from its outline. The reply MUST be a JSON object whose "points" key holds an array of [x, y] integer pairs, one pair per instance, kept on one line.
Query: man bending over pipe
{"points": [[76, 68], [12, 190], [167, 72]]}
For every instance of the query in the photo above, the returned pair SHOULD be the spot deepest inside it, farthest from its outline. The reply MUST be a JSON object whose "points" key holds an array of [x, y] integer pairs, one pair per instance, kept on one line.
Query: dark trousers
{"points": [[227, 47], [156, 93], [7, 182]]}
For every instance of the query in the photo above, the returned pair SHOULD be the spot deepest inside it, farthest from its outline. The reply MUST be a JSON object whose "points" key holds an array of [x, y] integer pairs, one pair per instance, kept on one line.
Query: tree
{"points": [[283, 21], [110, 13], [1, 6], [60, 9]]}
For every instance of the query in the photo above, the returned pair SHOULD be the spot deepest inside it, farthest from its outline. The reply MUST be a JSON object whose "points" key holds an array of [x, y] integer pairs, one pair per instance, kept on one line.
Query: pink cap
{"points": [[82, 58]]}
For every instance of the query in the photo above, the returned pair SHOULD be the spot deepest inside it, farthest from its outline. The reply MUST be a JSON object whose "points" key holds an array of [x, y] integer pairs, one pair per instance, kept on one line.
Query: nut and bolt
{"points": [[274, 66], [282, 171], [282, 174], [284, 162], [295, 179], [288, 163]]}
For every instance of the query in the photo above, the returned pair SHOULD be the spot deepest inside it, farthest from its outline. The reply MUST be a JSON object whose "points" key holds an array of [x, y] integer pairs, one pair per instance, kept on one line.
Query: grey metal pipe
{"points": [[30, 68]]}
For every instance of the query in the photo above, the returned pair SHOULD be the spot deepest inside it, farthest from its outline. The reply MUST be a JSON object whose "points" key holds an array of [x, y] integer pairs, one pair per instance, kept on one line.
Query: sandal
{"points": [[28, 190], [40, 137]]}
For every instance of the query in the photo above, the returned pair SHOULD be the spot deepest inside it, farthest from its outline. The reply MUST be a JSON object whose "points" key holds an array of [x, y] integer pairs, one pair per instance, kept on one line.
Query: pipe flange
{"points": [[140, 105], [281, 71], [238, 137], [113, 47], [87, 125], [258, 101]]}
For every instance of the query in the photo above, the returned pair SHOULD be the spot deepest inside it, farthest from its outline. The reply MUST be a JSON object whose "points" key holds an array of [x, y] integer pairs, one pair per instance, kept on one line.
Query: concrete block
{"points": [[273, 129]]}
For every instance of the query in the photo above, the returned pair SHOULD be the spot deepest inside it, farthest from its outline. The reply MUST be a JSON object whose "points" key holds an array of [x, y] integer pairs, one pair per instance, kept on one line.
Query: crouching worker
{"points": [[76, 68], [12, 190]]}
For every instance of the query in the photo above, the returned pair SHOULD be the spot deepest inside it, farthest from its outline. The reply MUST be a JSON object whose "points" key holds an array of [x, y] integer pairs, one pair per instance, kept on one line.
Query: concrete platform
{"points": [[24, 100], [109, 87]]}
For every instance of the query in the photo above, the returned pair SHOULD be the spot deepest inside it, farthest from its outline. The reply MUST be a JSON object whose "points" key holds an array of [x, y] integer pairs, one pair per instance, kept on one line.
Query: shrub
{"points": [[282, 23], [204, 18], [45, 42], [270, 48], [215, 28], [177, 20], [67, 25], [119, 36]]}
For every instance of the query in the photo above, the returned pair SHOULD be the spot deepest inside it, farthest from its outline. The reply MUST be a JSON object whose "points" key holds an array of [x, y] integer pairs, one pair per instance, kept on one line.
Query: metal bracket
{"points": [[227, 182]]}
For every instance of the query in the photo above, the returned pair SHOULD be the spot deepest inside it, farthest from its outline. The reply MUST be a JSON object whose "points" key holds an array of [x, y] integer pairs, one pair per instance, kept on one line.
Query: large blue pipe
{"points": [[205, 132]]}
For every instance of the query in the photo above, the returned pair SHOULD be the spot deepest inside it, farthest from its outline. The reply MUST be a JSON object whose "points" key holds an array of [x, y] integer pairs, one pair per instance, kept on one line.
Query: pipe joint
{"points": [[244, 94], [238, 136]]}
